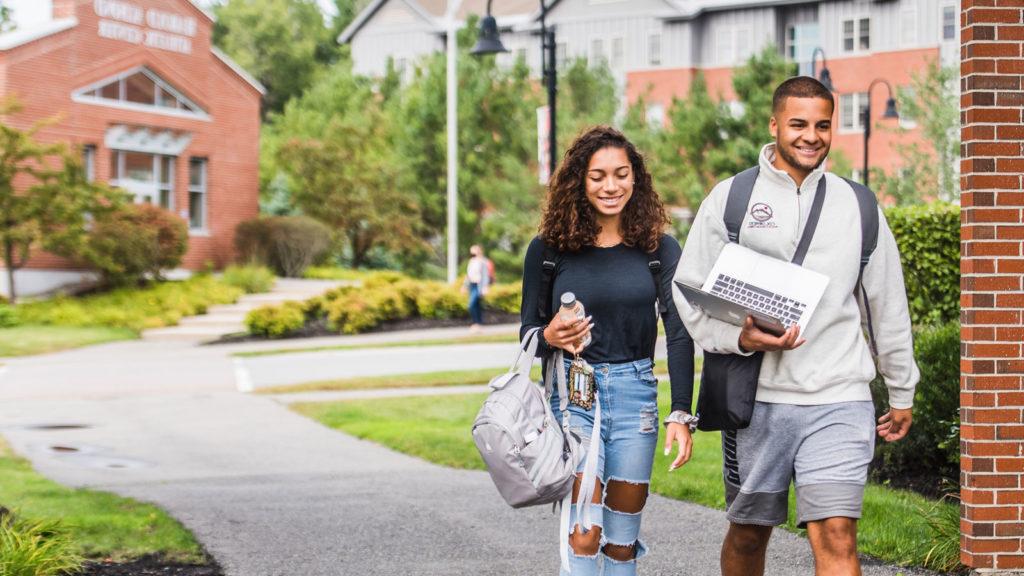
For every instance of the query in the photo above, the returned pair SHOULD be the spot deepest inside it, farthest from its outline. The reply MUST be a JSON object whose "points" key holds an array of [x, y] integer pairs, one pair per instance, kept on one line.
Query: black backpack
{"points": [[729, 381]]}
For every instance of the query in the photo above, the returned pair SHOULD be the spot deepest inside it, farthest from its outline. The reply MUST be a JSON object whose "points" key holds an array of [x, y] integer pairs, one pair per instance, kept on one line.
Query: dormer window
{"points": [[139, 88]]}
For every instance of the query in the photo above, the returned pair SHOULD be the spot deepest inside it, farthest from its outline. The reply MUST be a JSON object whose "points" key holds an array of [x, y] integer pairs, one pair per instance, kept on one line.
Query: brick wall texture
{"points": [[992, 295], [43, 74]]}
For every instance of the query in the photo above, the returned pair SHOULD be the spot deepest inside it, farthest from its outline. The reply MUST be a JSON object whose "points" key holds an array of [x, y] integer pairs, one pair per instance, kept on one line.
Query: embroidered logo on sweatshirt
{"points": [[762, 215]]}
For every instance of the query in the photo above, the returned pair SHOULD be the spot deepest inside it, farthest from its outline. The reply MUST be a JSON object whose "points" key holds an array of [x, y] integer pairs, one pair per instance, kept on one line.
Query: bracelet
{"points": [[682, 417]]}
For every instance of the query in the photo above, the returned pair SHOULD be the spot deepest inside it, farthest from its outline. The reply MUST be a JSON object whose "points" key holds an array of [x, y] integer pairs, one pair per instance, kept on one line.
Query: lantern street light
{"points": [[826, 77], [890, 112], [490, 43]]}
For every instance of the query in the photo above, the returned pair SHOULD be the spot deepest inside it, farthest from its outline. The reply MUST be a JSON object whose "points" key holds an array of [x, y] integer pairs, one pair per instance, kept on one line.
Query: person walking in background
{"points": [[478, 279], [602, 239], [813, 421]]}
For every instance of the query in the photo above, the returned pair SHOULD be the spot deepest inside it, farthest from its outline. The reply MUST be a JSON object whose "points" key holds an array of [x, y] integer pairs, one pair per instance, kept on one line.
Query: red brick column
{"points": [[992, 301]]}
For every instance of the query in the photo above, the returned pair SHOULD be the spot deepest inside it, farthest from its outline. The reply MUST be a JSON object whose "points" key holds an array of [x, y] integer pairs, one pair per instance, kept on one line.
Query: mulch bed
{"points": [[151, 566], [318, 327]]}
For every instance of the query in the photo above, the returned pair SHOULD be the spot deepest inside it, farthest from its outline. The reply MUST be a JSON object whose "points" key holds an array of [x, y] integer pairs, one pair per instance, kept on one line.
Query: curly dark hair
{"points": [[569, 223]]}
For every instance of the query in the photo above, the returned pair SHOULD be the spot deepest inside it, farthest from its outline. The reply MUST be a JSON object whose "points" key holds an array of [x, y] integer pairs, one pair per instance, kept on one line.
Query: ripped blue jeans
{"points": [[628, 394]]}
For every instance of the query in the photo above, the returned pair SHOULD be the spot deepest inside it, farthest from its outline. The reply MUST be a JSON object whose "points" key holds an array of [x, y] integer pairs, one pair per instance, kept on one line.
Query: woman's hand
{"points": [[567, 335], [680, 434]]}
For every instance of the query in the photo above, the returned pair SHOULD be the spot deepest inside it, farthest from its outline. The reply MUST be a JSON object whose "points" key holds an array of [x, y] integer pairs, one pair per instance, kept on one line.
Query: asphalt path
{"points": [[270, 493]]}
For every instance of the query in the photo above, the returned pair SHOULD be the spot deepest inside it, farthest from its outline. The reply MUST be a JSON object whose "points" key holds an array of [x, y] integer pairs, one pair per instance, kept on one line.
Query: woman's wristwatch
{"points": [[682, 417]]}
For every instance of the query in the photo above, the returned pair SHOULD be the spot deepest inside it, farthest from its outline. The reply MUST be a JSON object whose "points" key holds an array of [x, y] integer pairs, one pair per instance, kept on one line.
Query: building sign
{"points": [[129, 22], [543, 145]]}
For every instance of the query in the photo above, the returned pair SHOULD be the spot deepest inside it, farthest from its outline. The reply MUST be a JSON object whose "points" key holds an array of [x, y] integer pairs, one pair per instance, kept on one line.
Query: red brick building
{"points": [[156, 109], [992, 293]]}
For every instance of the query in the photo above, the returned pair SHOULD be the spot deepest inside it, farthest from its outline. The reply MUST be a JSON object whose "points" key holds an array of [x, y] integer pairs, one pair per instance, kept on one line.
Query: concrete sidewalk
{"points": [[270, 493]]}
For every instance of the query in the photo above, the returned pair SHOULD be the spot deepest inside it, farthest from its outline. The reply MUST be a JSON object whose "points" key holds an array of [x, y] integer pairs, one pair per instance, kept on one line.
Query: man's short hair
{"points": [[800, 87]]}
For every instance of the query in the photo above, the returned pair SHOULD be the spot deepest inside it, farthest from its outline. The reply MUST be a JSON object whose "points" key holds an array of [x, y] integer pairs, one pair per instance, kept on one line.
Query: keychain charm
{"points": [[582, 383]]}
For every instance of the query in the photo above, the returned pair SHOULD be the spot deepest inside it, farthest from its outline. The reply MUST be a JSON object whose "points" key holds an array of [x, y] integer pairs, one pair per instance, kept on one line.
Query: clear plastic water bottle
{"points": [[572, 309]]}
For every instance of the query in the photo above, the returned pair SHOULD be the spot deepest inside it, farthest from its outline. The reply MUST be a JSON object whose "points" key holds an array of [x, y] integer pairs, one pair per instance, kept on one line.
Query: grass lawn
{"points": [[427, 379], [37, 339], [483, 339], [893, 527], [101, 525]]}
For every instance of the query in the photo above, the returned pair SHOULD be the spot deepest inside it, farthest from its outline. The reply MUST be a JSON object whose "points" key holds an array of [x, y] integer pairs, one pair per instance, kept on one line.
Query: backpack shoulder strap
{"points": [[739, 198], [868, 204], [654, 265], [549, 264]]}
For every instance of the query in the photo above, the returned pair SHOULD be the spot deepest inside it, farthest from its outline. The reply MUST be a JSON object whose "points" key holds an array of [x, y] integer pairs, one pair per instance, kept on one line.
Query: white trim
{"points": [[237, 69], [857, 51], [149, 109], [199, 232], [18, 37], [858, 120]]}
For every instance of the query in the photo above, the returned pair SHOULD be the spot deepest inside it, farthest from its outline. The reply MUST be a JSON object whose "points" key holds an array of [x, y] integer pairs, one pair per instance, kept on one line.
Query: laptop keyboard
{"points": [[787, 310]]}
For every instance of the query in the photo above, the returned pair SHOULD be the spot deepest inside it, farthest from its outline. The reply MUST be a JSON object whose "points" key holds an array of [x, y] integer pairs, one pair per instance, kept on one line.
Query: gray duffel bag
{"points": [[532, 459]]}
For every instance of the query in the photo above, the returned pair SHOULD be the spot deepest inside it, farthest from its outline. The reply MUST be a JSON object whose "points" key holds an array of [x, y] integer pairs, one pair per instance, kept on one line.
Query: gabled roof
{"points": [[433, 12], [20, 36]]}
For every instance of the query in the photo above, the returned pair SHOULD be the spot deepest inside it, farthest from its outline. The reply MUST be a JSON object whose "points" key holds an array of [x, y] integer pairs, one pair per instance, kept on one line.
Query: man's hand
{"points": [[753, 339], [894, 424], [567, 335], [679, 433]]}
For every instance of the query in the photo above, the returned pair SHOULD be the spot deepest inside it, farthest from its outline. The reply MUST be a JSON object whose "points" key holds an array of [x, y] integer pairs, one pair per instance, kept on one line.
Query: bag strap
{"points": [[812, 223], [654, 265], [867, 202], [527, 349], [739, 198], [547, 279]]}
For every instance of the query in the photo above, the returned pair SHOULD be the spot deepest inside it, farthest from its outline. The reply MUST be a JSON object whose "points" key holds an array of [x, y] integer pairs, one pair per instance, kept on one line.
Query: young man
{"points": [[813, 420]]}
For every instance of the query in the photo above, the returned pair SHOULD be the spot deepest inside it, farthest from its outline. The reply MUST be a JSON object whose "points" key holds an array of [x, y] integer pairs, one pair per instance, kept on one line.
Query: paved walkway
{"points": [[270, 493]]}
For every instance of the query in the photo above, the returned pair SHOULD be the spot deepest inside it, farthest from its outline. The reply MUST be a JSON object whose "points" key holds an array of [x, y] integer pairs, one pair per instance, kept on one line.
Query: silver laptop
{"points": [[775, 293]]}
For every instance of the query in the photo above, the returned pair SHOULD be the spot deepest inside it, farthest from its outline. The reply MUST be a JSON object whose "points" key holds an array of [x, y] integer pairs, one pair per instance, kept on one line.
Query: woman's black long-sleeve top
{"points": [[617, 288]]}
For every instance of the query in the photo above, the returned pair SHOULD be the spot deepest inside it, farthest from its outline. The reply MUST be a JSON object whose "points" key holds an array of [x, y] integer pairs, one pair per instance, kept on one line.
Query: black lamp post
{"points": [[826, 77], [490, 43], [890, 112]]}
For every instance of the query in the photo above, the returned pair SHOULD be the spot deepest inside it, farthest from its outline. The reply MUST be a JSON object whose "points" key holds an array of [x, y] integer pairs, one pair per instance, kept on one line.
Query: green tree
{"points": [[336, 146], [45, 198], [283, 43], [587, 96], [927, 170]]}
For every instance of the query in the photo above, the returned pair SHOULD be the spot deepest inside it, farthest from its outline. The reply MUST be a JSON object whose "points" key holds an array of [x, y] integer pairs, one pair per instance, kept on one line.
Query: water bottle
{"points": [[572, 309]]}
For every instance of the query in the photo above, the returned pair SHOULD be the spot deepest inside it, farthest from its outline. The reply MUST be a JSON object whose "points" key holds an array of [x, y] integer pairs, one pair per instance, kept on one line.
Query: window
{"points": [[908, 26], [800, 42], [857, 35], [139, 87], [949, 22], [197, 193], [618, 53], [654, 50], [597, 55], [561, 54], [89, 162], [851, 111], [150, 177]]}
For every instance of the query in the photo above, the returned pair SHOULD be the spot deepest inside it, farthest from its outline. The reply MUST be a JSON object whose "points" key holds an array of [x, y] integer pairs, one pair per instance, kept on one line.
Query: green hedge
{"points": [[928, 459], [382, 297], [160, 304], [929, 240]]}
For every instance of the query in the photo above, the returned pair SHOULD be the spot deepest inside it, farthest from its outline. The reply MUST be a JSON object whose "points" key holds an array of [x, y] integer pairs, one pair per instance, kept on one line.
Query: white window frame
{"points": [[858, 116], [655, 57], [942, 22], [81, 96], [857, 33], [203, 190], [617, 53], [117, 169], [596, 53], [89, 162], [908, 26]]}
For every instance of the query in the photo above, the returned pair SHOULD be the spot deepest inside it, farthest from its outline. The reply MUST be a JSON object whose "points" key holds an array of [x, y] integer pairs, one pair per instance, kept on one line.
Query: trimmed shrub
{"points": [[930, 453], [506, 298], [8, 316], [286, 244], [929, 240], [250, 279], [36, 549], [276, 321], [437, 300], [135, 241]]}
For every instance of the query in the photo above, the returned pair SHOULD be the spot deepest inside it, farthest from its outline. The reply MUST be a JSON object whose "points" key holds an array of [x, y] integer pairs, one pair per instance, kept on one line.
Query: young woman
{"points": [[604, 223]]}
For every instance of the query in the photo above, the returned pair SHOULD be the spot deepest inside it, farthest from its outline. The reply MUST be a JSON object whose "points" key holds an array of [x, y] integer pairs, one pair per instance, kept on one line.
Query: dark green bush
{"points": [[929, 240], [286, 244], [930, 454], [135, 241], [8, 316]]}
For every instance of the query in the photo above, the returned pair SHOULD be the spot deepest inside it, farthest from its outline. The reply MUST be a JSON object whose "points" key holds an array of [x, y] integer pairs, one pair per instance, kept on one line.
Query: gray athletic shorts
{"points": [[824, 450]]}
